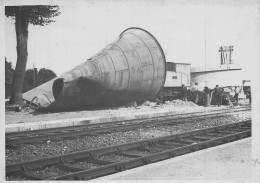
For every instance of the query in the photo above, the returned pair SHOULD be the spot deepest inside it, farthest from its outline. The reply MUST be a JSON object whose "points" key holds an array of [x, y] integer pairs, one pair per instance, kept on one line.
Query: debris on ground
{"points": [[148, 103], [181, 103]]}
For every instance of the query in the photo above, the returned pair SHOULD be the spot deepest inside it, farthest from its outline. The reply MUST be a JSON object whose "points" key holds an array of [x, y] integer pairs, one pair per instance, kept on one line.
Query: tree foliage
{"points": [[45, 75], [9, 71], [33, 78], [36, 15], [30, 80]]}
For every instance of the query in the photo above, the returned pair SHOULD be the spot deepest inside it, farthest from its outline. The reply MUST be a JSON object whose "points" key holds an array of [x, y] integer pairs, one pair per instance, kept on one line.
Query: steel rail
{"points": [[169, 146], [14, 139]]}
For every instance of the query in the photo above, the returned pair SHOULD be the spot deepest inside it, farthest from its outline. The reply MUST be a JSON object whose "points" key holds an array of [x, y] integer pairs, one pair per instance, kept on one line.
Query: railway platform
{"points": [[228, 162], [25, 122]]}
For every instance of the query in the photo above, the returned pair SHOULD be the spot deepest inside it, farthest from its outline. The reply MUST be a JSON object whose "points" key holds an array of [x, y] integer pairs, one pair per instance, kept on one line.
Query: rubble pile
{"points": [[181, 103], [174, 103], [148, 103]]}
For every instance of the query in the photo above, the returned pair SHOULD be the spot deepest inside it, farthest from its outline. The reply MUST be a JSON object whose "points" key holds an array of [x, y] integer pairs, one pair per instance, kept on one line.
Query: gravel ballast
{"points": [[31, 152]]}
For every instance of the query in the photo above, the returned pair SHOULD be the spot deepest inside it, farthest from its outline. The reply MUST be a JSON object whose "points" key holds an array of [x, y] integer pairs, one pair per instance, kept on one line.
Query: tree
{"points": [[33, 78], [25, 15], [45, 75]]}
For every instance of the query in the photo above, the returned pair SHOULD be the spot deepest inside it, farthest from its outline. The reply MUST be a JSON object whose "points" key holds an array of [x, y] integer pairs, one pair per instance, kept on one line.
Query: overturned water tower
{"points": [[130, 69]]}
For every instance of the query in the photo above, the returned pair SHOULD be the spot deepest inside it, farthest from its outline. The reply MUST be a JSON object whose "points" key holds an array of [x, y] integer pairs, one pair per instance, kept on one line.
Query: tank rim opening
{"points": [[158, 44], [57, 87]]}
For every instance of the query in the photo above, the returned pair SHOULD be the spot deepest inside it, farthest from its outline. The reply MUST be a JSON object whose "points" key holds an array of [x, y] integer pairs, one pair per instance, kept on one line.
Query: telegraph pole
{"points": [[221, 55], [226, 55], [230, 51]]}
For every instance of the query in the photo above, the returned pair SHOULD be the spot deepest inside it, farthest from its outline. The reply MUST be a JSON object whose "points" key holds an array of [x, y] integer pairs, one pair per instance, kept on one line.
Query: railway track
{"points": [[13, 140], [90, 164]]}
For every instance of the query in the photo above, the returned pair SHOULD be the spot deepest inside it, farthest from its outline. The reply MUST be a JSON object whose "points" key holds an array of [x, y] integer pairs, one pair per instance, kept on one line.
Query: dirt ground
{"points": [[176, 107]]}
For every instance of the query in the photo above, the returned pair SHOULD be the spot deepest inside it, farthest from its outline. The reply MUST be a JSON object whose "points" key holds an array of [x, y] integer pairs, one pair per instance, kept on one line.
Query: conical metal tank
{"points": [[132, 68]]}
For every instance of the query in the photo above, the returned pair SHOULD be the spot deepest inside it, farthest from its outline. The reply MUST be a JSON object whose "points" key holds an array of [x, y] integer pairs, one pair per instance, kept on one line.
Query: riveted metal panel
{"points": [[118, 58]]}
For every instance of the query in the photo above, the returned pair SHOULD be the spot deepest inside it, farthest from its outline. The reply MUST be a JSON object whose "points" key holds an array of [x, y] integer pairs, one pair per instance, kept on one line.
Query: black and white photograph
{"points": [[120, 90]]}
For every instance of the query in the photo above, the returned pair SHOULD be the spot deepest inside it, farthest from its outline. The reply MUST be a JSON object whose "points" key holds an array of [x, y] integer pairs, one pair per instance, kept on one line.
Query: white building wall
{"points": [[170, 79], [183, 68], [181, 76]]}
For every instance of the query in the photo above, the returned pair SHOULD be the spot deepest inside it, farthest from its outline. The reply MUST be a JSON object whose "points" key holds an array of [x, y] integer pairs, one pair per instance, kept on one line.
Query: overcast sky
{"points": [[189, 31]]}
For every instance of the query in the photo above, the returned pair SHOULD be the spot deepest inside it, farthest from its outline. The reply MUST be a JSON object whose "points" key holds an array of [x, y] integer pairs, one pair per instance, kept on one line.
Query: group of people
{"points": [[217, 93], [247, 92], [195, 93], [194, 90]]}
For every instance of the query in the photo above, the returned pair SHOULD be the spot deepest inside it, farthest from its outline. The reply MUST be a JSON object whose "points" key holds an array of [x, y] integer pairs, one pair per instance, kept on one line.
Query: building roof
{"points": [[181, 63], [178, 63], [200, 70]]}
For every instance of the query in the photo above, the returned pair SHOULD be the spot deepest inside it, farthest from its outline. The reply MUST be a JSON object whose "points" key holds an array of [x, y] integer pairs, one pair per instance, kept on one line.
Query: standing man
{"points": [[236, 94], [207, 99], [218, 91], [195, 92], [184, 93], [249, 95]]}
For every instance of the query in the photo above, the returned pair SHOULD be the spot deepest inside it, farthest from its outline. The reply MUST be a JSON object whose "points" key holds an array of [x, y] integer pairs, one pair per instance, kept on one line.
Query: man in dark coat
{"points": [[218, 92], [184, 92]]}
